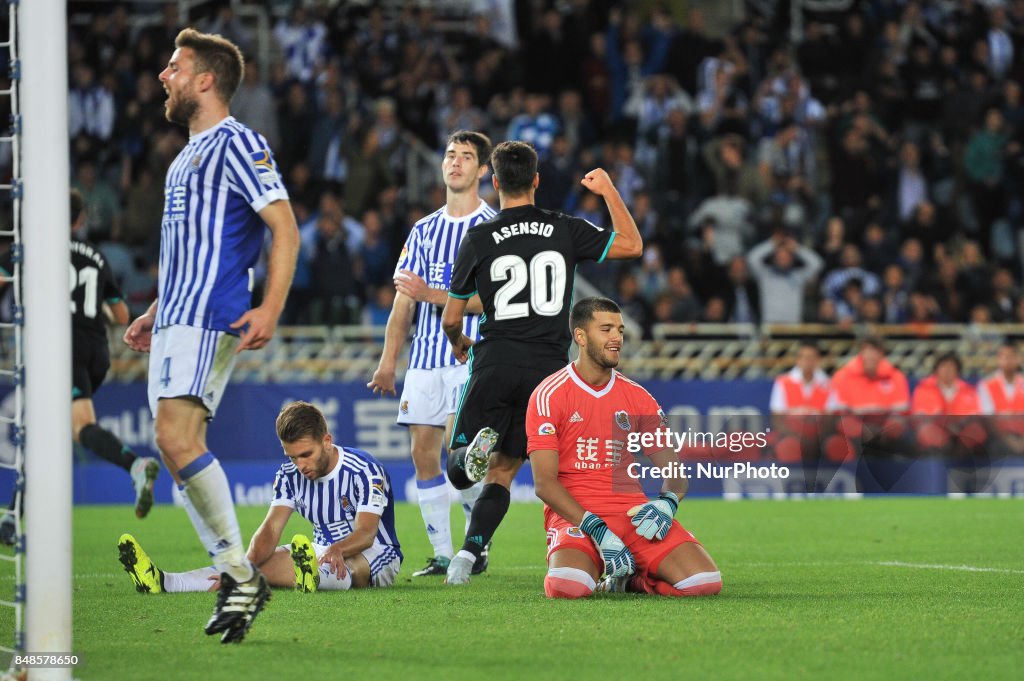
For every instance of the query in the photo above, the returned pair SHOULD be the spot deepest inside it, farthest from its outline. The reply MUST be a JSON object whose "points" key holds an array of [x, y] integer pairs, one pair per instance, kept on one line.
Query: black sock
{"points": [[105, 445], [457, 469], [490, 509]]}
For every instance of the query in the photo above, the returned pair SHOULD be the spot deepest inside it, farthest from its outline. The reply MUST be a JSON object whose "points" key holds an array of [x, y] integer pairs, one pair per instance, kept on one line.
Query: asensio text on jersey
{"points": [[522, 262], [430, 252], [211, 233]]}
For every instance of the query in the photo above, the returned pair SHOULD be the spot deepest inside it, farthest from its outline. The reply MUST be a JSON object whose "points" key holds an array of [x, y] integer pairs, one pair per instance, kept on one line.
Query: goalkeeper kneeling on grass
{"points": [[344, 492], [581, 424]]}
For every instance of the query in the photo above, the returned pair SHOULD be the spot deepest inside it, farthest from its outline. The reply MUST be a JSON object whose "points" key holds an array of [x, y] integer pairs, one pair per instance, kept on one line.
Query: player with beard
{"points": [[344, 492], [521, 263], [582, 426], [221, 192]]}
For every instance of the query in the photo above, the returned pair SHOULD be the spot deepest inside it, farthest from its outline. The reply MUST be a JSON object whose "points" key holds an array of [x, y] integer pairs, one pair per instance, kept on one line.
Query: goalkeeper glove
{"points": [[654, 519], [618, 561]]}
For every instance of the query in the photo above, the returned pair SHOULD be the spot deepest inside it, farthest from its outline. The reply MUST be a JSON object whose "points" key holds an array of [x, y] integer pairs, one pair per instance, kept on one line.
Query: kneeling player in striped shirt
{"points": [[345, 493]]}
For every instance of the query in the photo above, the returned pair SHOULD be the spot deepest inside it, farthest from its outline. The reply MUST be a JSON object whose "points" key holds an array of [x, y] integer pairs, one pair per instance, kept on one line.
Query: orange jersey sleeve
{"points": [[544, 413]]}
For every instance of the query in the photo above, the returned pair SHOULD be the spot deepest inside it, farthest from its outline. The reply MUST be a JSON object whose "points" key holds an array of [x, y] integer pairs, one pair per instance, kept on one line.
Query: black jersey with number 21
{"points": [[522, 262], [92, 284]]}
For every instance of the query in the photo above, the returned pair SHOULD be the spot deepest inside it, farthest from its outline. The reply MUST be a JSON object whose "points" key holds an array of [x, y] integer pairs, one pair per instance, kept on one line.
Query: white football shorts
{"points": [[429, 396], [190, 361], [384, 562]]}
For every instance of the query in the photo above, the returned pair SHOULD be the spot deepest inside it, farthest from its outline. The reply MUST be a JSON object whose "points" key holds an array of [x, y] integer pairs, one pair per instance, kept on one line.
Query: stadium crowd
{"points": [[869, 171]]}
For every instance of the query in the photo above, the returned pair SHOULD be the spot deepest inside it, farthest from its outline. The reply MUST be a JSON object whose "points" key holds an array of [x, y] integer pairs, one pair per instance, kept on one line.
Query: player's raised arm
{"points": [[627, 242], [258, 324], [264, 541]]}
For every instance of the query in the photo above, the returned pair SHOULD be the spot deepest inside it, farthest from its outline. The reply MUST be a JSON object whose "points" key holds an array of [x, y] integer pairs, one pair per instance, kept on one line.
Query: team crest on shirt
{"points": [[622, 420], [345, 503], [264, 166], [404, 407], [575, 532], [546, 429], [197, 162]]}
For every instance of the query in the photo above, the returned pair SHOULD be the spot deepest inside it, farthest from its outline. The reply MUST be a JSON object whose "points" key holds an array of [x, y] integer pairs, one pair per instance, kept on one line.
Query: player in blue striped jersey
{"points": [[434, 379], [220, 192], [345, 493]]}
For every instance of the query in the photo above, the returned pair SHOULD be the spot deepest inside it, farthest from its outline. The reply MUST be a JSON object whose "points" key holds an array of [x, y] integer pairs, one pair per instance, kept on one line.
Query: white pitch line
{"points": [[959, 568], [78, 575]]}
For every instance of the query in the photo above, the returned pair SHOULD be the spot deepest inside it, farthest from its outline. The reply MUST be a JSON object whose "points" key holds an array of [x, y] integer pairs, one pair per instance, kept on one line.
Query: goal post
{"points": [[42, 39]]}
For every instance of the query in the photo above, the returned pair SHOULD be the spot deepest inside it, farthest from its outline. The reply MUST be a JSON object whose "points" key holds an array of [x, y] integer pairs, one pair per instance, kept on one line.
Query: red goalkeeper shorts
{"points": [[648, 554]]}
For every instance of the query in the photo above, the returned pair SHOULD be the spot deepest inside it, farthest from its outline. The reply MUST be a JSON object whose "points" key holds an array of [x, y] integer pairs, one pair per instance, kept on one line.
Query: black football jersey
{"points": [[92, 284], [522, 262]]}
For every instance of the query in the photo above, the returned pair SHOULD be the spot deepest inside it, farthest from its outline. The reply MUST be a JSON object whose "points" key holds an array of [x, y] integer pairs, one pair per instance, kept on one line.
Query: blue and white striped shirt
{"points": [[430, 252], [211, 233], [357, 484]]}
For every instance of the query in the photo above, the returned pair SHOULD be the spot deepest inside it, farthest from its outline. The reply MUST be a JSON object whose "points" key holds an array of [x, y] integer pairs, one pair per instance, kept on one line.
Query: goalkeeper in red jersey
{"points": [[580, 424]]}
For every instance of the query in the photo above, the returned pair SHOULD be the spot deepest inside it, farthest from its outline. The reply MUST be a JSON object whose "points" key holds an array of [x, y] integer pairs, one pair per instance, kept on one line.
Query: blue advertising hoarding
{"points": [[243, 438]]}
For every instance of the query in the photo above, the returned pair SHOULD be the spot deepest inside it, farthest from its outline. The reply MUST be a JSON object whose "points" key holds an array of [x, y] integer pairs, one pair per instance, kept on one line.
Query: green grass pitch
{"points": [[870, 589]]}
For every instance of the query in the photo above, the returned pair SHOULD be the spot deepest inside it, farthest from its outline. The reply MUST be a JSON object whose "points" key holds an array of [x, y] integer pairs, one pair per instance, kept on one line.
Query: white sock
{"points": [[699, 579], [573, 575], [330, 581], [469, 497], [206, 535], [207, 487], [435, 506], [193, 580]]}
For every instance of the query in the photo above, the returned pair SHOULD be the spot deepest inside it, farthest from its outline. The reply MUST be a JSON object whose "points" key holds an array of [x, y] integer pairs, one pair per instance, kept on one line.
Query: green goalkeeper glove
{"points": [[654, 519], [618, 561]]}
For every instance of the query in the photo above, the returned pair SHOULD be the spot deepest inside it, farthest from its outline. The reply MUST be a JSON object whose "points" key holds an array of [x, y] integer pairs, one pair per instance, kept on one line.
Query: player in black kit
{"points": [[522, 263], [92, 287]]}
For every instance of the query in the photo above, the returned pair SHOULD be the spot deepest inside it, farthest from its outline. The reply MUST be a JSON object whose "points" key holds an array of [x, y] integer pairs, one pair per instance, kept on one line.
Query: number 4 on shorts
{"points": [[165, 372]]}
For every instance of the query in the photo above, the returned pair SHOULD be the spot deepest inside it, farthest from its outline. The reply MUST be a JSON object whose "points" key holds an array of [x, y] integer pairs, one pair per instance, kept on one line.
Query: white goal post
{"points": [[42, 38]]}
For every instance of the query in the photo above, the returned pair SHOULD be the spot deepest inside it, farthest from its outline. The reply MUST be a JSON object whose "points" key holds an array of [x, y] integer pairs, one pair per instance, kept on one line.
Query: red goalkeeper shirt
{"points": [[596, 430]]}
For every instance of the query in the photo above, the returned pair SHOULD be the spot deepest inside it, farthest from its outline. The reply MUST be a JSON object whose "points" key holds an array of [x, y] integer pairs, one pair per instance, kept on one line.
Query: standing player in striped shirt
{"points": [[435, 378], [345, 493], [220, 192]]}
